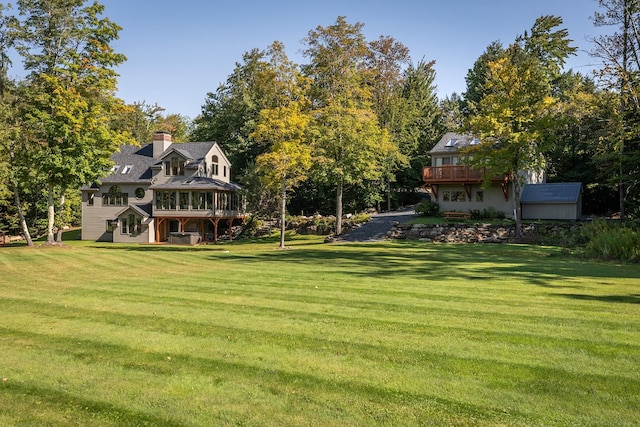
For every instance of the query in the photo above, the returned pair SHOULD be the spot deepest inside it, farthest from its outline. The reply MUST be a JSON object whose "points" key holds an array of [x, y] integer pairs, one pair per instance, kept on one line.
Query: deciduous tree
{"points": [[283, 129], [620, 54], [515, 107], [352, 146], [66, 48]]}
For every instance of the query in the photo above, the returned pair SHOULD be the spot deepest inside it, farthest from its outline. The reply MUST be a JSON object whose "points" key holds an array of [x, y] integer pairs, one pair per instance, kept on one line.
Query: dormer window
{"points": [[214, 165], [174, 167], [114, 169], [451, 143], [126, 169], [474, 141]]}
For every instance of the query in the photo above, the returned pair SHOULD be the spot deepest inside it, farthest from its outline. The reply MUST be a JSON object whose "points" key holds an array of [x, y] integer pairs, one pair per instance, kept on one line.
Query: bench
{"points": [[456, 215]]}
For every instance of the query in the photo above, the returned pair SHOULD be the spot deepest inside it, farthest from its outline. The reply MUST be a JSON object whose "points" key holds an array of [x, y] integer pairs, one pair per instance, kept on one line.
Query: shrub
{"points": [[612, 241], [427, 208], [489, 213]]}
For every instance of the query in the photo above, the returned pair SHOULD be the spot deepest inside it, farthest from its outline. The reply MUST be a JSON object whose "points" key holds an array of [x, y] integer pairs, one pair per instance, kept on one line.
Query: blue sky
{"points": [[180, 50]]}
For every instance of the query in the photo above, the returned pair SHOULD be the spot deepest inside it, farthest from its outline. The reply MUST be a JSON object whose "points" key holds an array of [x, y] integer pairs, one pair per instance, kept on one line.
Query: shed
{"points": [[560, 200]]}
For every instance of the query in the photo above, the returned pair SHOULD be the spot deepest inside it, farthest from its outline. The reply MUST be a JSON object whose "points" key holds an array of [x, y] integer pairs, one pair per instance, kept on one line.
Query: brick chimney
{"points": [[161, 141]]}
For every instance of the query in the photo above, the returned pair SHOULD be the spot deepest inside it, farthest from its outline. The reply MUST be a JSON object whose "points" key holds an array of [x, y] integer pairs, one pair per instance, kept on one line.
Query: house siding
{"points": [[493, 198], [560, 211], [141, 171]]}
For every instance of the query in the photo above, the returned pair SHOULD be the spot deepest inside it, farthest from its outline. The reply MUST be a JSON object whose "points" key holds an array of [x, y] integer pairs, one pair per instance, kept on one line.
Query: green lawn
{"points": [[402, 333]]}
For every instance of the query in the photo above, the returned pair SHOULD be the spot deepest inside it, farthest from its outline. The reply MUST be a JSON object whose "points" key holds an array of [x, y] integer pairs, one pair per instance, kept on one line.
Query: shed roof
{"points": [[196, 183], [557, 192]]}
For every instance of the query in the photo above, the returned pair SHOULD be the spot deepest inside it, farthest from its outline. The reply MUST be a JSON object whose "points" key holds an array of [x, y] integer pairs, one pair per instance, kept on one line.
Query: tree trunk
{"points": [[23, 222], [51, 215], [16, 197], [283, 211], [339, 208], [388, 196], [60, 222], [516, 200]]}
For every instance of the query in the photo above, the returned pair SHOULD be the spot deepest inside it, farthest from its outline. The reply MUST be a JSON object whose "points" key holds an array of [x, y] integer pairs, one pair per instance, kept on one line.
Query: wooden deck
{"points": [[457, 173]]}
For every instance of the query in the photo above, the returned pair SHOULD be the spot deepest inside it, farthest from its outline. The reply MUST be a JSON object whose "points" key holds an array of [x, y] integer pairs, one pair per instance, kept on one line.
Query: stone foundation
{"points": [[475, 233]]}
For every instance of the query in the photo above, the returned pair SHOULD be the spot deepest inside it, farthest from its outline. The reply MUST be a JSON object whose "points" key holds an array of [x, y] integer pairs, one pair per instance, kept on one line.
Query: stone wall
{"points": [[476, 233]]}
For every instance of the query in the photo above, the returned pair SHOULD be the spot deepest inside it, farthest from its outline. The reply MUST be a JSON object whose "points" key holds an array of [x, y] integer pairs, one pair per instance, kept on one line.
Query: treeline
{"points": [[347, 130]]}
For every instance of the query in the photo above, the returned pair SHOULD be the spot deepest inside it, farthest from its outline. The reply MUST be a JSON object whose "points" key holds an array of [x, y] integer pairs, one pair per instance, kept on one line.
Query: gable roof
{"points": [[142, 210], [558, 192], [452, 142], [141, 160]]}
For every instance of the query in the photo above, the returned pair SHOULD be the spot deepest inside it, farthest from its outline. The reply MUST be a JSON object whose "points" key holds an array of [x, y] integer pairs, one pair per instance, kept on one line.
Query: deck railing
{"points": [[457, 173]]}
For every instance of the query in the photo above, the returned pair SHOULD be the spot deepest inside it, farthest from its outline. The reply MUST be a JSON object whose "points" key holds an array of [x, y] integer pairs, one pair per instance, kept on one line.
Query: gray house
{"points": [[456, 187], [562, 200], [162, 192]]}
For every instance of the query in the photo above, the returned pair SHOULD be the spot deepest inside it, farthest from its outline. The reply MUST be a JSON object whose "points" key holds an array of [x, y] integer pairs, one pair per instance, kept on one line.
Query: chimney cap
{"points": [[162, 136]]}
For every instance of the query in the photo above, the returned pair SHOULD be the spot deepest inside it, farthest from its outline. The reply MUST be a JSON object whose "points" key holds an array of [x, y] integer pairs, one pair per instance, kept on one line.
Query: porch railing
{"points": [[457, 173]]}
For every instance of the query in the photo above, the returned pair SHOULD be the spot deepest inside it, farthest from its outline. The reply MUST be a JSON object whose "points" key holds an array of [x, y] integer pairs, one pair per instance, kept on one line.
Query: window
{"points": [[115, 197], [126, 169], [111, 225], [446, 161], [131, 225], [224, 171], [184, 200], [479, 196], [166, 200], [453, 196], [214, 165], [139, 193], [114, 169], [90, 198], [198, 200], [458, 196], [174, 167]]}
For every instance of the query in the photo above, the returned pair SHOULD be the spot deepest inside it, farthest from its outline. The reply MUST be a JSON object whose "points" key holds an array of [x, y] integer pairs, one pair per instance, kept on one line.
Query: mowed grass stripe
{"points": [[454, 368], [251, 340]]}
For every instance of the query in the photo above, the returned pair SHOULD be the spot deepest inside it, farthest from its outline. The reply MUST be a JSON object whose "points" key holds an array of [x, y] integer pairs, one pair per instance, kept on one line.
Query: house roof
{"points": [[558, 192], [135, 162], [140, 158], [452, 142], [142, 210], [196, 183]]}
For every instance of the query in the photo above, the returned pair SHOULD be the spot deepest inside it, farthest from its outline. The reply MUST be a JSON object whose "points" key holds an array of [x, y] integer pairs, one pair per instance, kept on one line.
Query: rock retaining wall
{"points": [[475, 233]]}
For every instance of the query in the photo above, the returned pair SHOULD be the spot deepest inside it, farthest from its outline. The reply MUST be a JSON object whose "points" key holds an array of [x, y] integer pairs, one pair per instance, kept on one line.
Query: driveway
{"points": [[377, 227]]}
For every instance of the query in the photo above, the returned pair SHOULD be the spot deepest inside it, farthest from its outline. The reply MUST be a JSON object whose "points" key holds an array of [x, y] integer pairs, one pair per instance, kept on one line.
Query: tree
{"points": [[579, 149], [283, 129], [11, 165], [288, 160], [230, 113], [420, 122], [477, 77], [620, 54], [352, 146], [70, 92], [451, 107], [516, 107]]}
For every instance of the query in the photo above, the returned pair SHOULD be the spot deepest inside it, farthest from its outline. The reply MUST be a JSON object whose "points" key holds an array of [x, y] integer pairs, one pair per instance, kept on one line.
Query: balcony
{"points": [[450, 174]]}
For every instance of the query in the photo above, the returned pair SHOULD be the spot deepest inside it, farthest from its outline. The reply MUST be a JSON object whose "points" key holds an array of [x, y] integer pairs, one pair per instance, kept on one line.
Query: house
{"points": [[560, 200], [163, 192], [456, 187]]}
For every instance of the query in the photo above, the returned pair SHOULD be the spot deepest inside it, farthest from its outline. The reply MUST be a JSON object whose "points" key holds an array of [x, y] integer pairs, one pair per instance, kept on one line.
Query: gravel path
{"points": [[377, 227]]}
